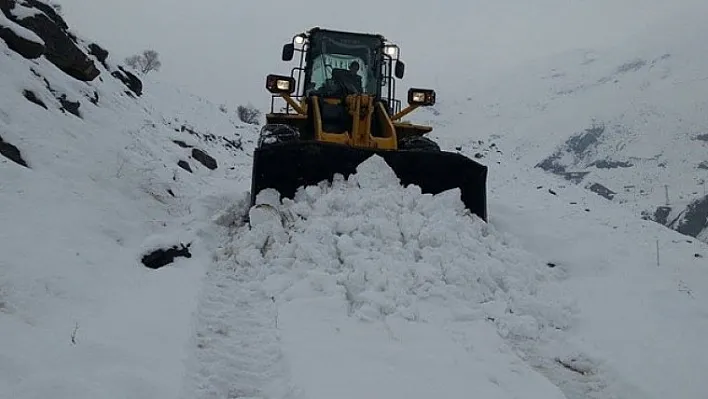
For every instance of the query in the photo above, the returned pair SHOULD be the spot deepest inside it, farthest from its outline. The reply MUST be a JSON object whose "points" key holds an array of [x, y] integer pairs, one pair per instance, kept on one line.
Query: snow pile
{"points": [[390, 250], [362, 256]]}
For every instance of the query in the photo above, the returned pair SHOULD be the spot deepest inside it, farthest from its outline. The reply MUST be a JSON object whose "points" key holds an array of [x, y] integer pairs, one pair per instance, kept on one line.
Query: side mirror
{"points": [[288, 52], [421, 97], [279, 84], [400, 69]]}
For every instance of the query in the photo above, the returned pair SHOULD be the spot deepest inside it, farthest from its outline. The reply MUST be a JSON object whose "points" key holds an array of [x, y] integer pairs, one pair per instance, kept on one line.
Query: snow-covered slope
{"points": [[80, 315], [627, 121], [360, 288]]}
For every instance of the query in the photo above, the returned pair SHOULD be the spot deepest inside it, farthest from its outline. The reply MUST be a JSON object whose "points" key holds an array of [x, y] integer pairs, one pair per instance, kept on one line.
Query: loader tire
{"points": [[418, 143], [277, 133]]}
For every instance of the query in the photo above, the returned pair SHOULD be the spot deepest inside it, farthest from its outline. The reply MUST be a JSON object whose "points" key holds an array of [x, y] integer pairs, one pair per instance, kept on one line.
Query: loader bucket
{"points": [[289, 165]]}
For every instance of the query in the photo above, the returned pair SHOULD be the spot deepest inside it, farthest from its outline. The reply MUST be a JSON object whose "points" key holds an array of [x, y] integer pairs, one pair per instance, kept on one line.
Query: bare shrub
{"points": [[248, 114], [145, 62]]}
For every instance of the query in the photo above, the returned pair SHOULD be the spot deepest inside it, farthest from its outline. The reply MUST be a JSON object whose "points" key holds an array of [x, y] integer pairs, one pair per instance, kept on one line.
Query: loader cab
{"points": [[327, 58], [336, 62]]}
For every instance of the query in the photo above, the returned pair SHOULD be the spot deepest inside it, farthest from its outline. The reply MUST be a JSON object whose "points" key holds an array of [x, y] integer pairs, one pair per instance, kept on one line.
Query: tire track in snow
{"points": [[235, 350]]}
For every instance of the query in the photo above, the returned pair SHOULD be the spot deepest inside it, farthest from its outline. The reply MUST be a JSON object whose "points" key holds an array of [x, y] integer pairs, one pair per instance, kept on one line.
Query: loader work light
{"points": [[422, 97], [391, 50], [279, 84]]}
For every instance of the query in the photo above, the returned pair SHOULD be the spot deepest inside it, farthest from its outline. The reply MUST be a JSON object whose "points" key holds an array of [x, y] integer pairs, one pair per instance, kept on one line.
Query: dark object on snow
{"points": [[602, 191], [162, 257], [99, 52], [24, 47], [181, 144], [130, 80], [184, 165], [206, 159], [694, 219], [60, 46], [30, 96], [69, 106], [94, 99], [12, 153]]}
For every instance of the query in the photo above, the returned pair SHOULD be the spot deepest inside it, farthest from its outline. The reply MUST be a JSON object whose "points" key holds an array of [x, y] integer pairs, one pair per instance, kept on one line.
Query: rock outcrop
{"points": [[60, 46]]}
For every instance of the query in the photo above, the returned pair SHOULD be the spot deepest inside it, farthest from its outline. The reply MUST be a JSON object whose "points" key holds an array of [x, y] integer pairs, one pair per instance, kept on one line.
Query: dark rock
{"points": [[577, 145], [205, 159], [703, 165], [602, 191], [184, 165], [170, 192], [233, 144], [12, 153], [631, 66], [60, 45], [605, 164], [551, 164], [94, 99], [552, 192], [580, 143], [130, 80], [181, 144], [69, 106], [702, 137], [50, 12], [185, 128], [162, 257], [29, 95], [694, 219], [575, 177], [661, 215], [99, 52], [20, 45]]}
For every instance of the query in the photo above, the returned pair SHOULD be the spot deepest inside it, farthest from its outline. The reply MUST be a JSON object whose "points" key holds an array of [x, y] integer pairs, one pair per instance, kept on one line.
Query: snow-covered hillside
{"points": [[627, 121], [359, 288]]}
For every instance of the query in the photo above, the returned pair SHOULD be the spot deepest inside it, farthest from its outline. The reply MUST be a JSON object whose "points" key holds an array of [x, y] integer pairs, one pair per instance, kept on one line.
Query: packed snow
{"points": [[361, 287]]}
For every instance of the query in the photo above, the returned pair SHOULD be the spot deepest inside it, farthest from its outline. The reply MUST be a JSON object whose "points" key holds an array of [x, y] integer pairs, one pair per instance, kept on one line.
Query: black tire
{"points": [[277, 133], [418, 143]]}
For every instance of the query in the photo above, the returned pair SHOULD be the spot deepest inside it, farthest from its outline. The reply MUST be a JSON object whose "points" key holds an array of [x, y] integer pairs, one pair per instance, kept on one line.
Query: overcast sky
{"points": [[223, 49]]}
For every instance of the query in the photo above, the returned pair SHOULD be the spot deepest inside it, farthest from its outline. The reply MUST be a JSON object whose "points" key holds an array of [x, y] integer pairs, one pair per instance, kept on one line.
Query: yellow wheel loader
{"points": [[341, 110]]}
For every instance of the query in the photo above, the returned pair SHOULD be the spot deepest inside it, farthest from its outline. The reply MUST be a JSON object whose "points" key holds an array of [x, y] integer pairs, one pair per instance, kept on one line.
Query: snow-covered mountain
{"points": [[626, 121], [358, 288]]}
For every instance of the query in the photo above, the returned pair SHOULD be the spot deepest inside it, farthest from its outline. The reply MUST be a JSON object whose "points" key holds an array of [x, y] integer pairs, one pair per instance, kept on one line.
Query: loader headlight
{"points": [[299, 39], [422, 97], [279, 84], [391, 50]]}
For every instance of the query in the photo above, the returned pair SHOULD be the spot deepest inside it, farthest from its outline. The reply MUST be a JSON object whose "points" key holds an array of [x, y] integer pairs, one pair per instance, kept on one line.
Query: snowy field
{"points": [[361, 288]]}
